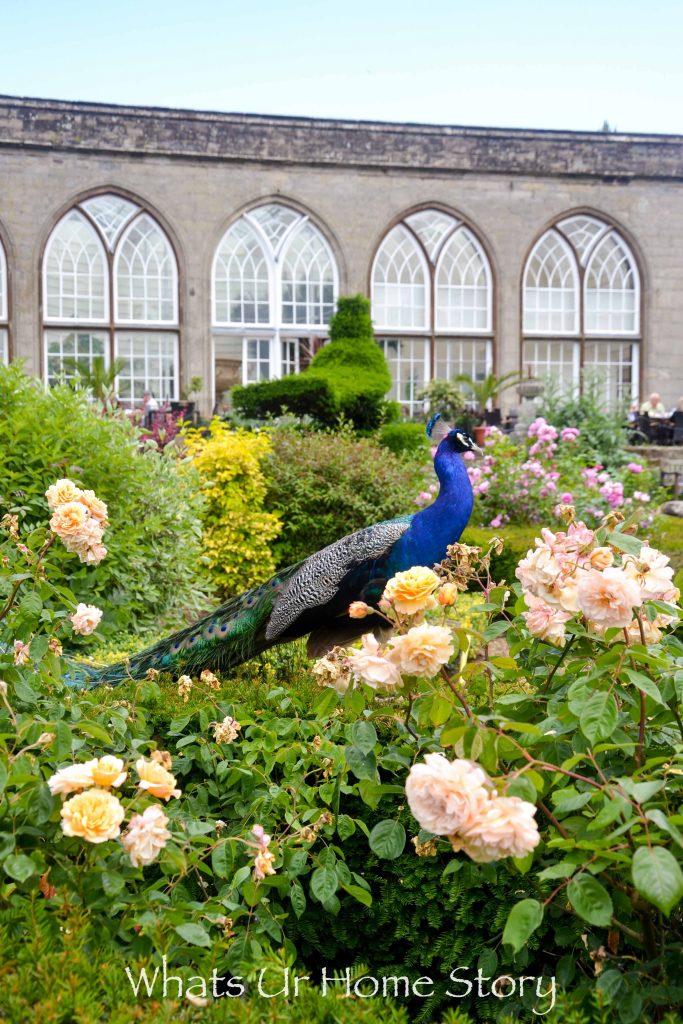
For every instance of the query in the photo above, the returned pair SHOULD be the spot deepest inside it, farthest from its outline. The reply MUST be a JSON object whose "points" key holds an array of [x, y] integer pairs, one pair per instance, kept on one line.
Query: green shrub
{"points": [[405, 439], [153, 573], [518, 540], [238, 532], [325, 485], [353, 364], [448, 398], [298, 394]]}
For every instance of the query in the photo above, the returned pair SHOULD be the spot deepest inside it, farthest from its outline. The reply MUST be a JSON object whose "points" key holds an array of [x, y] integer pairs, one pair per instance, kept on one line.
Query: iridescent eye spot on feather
{"points": [[223, 628], [208, 632], [176, 646]]}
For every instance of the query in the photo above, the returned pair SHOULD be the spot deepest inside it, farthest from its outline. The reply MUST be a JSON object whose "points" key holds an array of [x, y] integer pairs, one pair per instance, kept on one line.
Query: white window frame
{"points": [[121, 241]]}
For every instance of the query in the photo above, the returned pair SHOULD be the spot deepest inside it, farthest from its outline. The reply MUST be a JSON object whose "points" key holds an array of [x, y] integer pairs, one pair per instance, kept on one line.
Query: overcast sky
{"points": [[510, 63]]}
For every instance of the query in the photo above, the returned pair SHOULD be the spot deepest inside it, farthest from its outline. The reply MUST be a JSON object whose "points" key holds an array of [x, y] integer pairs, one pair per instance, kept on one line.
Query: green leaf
{"points": [[112, 883], [363, 766], [663, 822], [590, 900], [645, 684], [640, 791], [599, 717], [20, 867], [345, 826], [388, 839], [624, 541], [613, 808], [496, 629], [324, 883], [31, 605], [3, 776], [364, 736], [221, 860], [523, 920], [441, 709], [195, 934], [561, 870], [97, 731], [658, 877], [325, 701], [362, 895], [297, 897], [610, 984]]}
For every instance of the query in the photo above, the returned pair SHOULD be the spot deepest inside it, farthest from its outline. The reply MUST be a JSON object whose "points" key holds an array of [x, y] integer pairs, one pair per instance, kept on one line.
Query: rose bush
{"points": [[545, 773], [526, 480]]}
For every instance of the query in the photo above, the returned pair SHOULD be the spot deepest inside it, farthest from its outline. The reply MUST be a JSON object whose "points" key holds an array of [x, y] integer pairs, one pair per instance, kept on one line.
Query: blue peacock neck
{"points": [[441, 523]]}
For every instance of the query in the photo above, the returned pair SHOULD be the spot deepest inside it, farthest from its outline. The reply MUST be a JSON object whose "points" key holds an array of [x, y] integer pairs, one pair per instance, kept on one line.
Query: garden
{"points": [[474, 816]]}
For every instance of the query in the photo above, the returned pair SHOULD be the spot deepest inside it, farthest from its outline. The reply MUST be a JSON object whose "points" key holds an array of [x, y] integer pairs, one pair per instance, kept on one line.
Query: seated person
{"points": [[654, 407]]}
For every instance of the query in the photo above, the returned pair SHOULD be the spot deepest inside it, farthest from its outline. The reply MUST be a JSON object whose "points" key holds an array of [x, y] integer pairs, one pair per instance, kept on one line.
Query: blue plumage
{"points": [[312, 598]]}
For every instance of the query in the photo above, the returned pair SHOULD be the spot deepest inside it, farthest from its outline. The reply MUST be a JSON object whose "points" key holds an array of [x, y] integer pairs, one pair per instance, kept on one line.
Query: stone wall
{"points": [[196, 172]]}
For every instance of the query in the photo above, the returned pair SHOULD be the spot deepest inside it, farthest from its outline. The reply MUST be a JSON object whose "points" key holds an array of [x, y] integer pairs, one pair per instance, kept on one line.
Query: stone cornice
{"points": [[55, 125]]}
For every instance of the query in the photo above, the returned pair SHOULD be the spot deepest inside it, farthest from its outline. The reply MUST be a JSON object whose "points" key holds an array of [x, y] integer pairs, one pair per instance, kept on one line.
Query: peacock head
{"points": [[451, 438]]}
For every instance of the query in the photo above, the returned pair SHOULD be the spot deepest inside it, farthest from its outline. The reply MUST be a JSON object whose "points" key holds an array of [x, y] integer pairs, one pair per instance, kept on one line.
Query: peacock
{"points": [[312, 597]]}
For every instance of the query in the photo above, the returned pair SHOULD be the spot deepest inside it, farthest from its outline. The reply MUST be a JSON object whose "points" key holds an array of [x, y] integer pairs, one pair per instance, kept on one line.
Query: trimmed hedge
{"points": [[405, 438], [518, 540], [299, 394]]}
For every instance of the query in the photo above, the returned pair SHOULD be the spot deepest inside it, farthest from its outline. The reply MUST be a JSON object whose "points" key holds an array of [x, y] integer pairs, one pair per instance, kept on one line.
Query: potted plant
{"points": [[185, 406], [485, 392]]}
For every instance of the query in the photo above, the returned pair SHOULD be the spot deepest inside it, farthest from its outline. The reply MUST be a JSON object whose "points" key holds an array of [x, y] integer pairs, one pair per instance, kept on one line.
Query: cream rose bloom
{"points": [[108, 771], [608, 598], [227, 730], [95, 816], [651, 571], [412, 591], [146, 836], [370, 665], [539, 573], [62, 492], [263, 864], [447, 796], [69, 519], [332, 673], [422, 650], [72, 779], [85, 619], [544, 620], [156, 779], [94, 505], [505, 828]]}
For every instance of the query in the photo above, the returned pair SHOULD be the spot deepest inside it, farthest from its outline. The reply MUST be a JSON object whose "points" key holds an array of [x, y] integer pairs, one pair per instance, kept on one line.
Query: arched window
{"points": [[581, 307], [4, 308], [275, 283], [432, 301], [110, 291]]}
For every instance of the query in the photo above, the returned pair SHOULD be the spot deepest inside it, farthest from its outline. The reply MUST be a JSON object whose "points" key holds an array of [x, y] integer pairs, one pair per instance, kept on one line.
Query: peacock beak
{"points": [[477, 449]]}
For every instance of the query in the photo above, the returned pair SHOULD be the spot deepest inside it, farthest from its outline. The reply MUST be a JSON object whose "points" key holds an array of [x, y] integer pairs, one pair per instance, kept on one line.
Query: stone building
{"points": [[190, 244]]}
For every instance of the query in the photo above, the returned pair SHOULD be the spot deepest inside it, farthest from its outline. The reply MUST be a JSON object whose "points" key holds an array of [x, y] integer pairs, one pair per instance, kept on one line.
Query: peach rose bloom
{"points": [[85, 619], [447, 796], [62, 492], [69, 519], [95, 816], [91, 555], [539, 573], [108, 771], [370, 665], [412, 591], [544, 620], [146, 836], [156, 779], [505, 828], [448, 595], [95, 507], [608, 598], [601, 558], [651, 571], [72, 779], [263, 864], [359, 610], [422, 650]]}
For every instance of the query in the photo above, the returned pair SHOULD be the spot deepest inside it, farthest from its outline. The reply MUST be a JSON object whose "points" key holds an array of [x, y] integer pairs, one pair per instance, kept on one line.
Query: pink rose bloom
{"points": [[567, 498], [506, 828], [146, 836], [371, 666], [468, 456], [641, 496], [422, 498], [85, 619], [634, 467], [447, 796], [608, 598], [569, 433], [545, 620], [433, 450], [496, 522]]}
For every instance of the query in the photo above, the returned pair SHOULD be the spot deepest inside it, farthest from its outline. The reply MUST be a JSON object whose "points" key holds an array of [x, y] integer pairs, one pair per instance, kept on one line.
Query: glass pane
{"points": [[145, 272], [551, 300], [63, 347], [399, 282], [407, 364], [76, 272], [241, 275], [150, 365]]}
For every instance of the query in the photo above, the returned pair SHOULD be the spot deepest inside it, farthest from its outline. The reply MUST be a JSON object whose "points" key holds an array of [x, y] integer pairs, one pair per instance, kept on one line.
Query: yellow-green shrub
{"points": [[237, 531]]}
